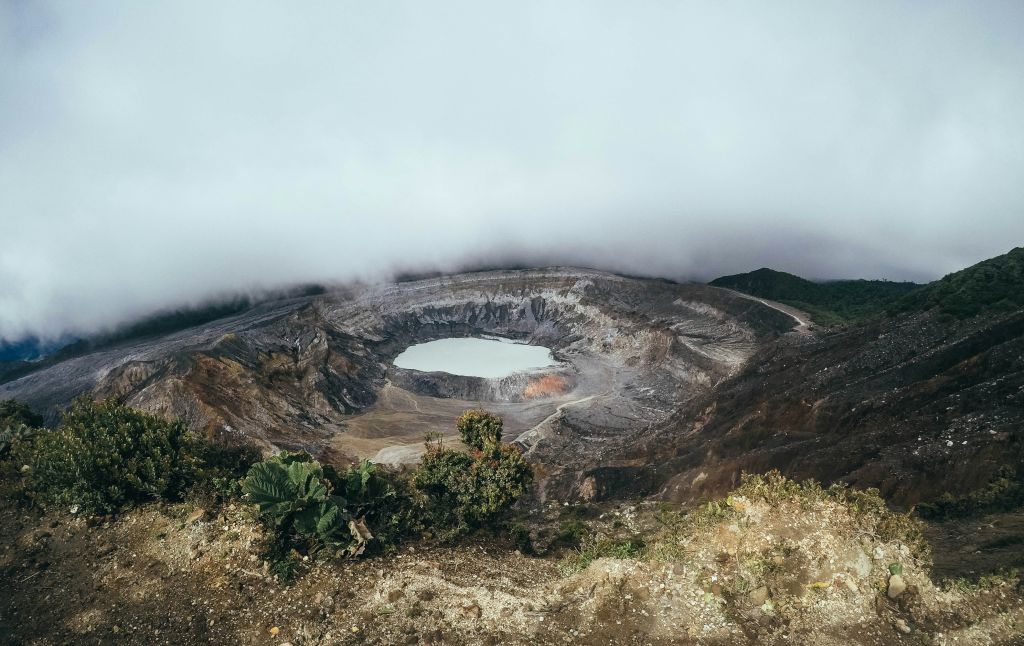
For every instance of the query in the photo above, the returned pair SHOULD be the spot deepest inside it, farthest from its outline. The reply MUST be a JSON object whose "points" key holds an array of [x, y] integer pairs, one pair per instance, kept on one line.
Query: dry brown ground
{"points": [[161, 575]]}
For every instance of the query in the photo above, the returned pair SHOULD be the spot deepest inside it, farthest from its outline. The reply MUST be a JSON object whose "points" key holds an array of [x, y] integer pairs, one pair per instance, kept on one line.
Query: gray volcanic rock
{"points": [[308, 372], [918, 406]]}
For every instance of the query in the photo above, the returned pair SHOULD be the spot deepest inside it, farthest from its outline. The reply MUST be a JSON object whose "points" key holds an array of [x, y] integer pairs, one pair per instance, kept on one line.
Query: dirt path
{"points": [[803, 320]]}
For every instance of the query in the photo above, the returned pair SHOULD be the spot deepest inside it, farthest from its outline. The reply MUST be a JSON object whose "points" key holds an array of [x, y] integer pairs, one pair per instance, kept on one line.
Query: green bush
{"points": [[384, 500], [11, 435], [315, 508], [465, 492], [224, 462], [105, 455], [571, 533], [479, 428], [602, 548], [17, 423], [297, 499], [312, 507], [14, 413]]}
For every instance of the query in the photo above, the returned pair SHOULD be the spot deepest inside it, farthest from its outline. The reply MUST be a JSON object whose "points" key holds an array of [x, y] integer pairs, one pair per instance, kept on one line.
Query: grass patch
{"points": [[602, 548]]}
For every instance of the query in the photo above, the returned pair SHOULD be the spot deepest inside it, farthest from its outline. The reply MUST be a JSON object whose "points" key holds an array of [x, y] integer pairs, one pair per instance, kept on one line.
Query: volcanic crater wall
{"points": [[292, 373]]}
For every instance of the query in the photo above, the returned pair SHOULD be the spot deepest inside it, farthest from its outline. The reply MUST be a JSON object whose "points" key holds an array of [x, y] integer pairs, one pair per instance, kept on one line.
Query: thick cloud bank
{"points": [[155, 154]]}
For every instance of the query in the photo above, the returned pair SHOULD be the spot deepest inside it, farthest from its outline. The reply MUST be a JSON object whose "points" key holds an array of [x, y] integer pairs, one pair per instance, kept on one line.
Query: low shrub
{"points": [[314, 508], [17, 423], [297, 500], [223, 464], [104, 455], [571, 534], [602, 548], [468, 491], [382, 499], [867, 506], [11, 435]]}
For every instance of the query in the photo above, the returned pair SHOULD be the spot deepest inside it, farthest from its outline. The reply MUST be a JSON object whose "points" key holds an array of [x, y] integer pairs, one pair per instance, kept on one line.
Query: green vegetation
{"points": [[14, 413], [866, 504], [465, 492], [316, 509], [829, 303], [104, 456], [479, 428], [868, 508], [222, 464], [300, 503], [12, 435], [600, 548], [17, 423], [992, 286]]}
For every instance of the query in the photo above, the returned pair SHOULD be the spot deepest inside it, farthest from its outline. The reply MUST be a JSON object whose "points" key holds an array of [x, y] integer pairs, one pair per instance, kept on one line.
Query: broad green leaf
{"points": [[268, 486]]}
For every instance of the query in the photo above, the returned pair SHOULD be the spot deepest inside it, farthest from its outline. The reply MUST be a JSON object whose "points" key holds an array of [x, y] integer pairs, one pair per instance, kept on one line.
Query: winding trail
{"points": [[802, 326]]}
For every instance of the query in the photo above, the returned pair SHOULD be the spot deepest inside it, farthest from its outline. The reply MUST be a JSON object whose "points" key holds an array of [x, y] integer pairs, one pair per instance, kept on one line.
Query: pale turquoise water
{"points": [[488, 358]]}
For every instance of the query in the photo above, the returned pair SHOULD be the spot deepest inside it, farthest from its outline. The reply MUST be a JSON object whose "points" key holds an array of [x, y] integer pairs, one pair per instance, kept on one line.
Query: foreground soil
{"points": [[790, 573]]}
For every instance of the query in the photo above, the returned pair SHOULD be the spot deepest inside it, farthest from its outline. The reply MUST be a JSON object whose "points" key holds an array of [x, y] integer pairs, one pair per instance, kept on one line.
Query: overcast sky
{"points": [[155, 154]]}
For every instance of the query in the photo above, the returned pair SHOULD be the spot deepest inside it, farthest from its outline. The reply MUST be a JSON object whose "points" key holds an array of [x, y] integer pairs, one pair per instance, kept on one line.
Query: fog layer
{"points": [[158, 154]]}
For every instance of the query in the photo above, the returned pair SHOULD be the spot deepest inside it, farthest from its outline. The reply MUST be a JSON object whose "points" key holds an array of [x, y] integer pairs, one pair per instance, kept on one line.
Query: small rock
{"points": [[758, 596], [896, 586], [902, 626], [194, 516], [472, 610]]}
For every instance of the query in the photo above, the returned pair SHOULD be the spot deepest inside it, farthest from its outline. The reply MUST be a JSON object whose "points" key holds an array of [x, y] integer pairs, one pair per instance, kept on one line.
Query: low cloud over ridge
{"points": [[158, 155]]}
